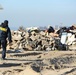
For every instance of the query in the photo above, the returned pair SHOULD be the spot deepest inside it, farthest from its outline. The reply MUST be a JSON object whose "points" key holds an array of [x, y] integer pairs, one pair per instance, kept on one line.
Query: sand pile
{"points": [[28, 71]]}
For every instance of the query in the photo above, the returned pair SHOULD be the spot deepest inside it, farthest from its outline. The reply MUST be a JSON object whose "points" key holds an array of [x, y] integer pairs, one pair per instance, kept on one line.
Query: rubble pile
{"points": [[31, 41], [36, 40]]}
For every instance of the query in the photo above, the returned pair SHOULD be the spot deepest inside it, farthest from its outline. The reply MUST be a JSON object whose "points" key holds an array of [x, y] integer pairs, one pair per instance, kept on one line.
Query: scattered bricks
{"points": [[32, 40]]}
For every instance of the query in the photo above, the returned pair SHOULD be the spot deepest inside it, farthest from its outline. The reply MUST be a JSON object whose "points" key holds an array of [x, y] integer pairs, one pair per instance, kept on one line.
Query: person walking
{"points": [[4, 34]]}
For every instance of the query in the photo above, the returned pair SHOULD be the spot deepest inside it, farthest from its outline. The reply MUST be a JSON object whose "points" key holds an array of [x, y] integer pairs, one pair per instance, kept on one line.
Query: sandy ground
{"points": [[21, 62]]}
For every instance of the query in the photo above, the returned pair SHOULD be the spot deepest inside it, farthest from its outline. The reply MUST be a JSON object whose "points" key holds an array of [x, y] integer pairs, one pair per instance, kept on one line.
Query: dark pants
{"points": [[3, 43]]}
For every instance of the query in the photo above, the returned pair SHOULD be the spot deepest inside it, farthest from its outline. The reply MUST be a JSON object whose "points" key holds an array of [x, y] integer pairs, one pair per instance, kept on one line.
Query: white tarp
{"points": [[67, 38], [70, 38], [63, 38]]}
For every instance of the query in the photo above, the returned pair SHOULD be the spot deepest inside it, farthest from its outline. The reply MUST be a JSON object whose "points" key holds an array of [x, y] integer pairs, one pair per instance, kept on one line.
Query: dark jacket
{"points": [[5, 32], [61, 30], [51, 30]]}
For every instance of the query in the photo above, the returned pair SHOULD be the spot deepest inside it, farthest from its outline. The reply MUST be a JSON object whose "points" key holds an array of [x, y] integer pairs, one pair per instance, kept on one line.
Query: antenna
{"points": [[1, 8]]}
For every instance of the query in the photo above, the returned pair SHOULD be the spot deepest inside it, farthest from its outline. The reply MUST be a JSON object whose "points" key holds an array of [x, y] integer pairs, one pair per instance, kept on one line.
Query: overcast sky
{"points": [[29, 13]]}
